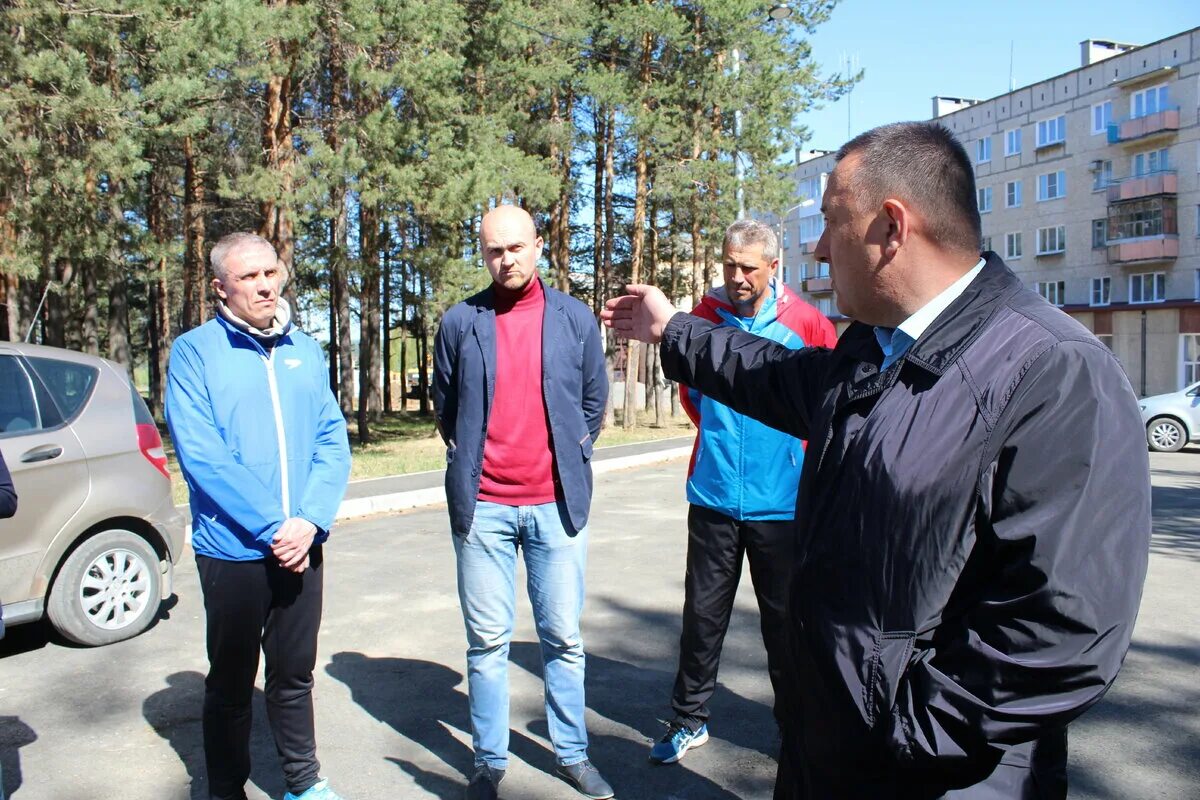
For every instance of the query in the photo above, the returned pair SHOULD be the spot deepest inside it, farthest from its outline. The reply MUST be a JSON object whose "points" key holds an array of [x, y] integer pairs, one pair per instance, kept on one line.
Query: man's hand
{"points": [[642, 314], [292, 543]]}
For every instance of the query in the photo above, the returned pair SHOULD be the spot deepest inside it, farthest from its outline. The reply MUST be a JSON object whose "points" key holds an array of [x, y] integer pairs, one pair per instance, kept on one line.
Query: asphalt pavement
{"points": [[124, 721]]}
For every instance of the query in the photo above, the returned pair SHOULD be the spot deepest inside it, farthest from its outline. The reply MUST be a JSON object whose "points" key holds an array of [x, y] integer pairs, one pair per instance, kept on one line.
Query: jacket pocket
{"points": [[585, 446], [885, 669]]}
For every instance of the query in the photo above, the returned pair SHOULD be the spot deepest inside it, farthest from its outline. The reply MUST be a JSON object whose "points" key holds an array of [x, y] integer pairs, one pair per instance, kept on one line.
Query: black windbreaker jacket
{"points": [[973, 526]]}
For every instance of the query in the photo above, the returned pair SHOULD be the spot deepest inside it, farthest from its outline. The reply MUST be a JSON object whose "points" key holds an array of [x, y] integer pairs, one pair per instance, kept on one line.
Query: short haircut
{"points": [[923, 164], [753, 231], [231, 242]]}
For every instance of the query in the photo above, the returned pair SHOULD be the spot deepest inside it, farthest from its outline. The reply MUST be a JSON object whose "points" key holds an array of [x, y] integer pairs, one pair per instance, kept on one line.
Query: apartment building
{"points": [[1089, 188]]}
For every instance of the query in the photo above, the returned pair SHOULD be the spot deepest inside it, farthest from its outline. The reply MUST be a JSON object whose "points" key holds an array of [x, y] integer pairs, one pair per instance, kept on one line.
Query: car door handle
{"points": [[43, 453]]}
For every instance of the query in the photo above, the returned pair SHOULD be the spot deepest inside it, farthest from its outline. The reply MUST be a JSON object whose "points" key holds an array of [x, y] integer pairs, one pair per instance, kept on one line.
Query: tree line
{"points": [[365, 139]]}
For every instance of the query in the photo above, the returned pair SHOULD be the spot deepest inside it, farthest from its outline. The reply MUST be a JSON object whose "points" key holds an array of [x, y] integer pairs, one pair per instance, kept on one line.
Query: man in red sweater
{"points": [[519, 389]]}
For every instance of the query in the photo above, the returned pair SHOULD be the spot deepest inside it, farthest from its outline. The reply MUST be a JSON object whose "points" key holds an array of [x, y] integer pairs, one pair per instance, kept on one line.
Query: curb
{"points": [[416, 498]]}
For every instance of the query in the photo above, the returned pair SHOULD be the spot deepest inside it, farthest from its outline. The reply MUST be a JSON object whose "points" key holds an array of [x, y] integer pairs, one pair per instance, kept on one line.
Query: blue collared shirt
{"points": [[894, 342]]}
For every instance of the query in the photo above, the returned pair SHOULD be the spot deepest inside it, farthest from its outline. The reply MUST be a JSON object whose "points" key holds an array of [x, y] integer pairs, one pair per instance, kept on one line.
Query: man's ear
{"points": [[219, 288], [899, 225]]}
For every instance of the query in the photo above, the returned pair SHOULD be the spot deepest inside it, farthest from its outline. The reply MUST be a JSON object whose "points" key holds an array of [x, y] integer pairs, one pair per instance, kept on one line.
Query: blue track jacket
{"points": [[237, 413], [740, 467]]}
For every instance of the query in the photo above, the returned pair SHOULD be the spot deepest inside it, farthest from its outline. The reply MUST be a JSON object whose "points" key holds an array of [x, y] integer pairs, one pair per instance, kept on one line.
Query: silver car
{"points": [[95, 537], [1172, 420]]}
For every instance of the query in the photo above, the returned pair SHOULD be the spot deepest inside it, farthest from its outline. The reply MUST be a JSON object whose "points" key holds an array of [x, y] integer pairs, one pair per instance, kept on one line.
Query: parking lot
{"points": [[124, 721]]}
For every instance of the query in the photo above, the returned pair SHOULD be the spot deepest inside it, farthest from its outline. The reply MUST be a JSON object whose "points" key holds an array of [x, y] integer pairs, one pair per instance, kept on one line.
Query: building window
{"points": [[787, 274], [1102, 172], [1053, 291], [1196, 293], [821, 269], [825, 306], [1052, 185], [1052, 131], [1012, 246], [784, 244], [1099, 233], [1051, 240], [1106, 339], [1154, 216], [1148, 287], [1150, 162], [1101, 291], [811, 228], [985, 244], [1012, 142], [1012, 194], [1101, 116], [1148, 101], [983, 150], [809, 190], [1190, 347], [985, 200]]}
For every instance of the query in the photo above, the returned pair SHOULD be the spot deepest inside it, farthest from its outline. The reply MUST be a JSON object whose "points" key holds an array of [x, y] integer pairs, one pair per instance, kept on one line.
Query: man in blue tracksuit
{"points": [[262, 445], [742, 490]]}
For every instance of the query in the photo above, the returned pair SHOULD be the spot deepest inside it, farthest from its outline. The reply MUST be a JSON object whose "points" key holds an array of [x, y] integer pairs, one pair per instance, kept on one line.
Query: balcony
{"points": [[1163, 247], [1145, 129], [1150, 185], [818, 285]]}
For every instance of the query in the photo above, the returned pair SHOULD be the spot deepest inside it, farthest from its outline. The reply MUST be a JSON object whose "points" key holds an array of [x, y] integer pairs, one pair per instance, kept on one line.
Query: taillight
{"points": [[150, 443]]}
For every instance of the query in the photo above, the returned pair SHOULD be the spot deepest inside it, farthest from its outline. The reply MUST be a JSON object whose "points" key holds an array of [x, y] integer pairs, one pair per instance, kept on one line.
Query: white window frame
{"points": [[825, 306], [1104, 226], [1104, 176], [1060, 185], [1059, 236], [1012, 142], [1105, 117], [1055, 126], [1013, 246], [1150, 162], [1053, 291], [985, 244], [984, 199], [1160, 102], [1012, 199], [787, 273], [1157, 279], [983, 150], [1188, 377], [1104, 284]]}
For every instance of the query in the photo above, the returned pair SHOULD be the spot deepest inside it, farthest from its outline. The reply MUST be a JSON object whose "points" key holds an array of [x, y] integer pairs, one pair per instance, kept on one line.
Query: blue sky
{"points": [[913, 50]]}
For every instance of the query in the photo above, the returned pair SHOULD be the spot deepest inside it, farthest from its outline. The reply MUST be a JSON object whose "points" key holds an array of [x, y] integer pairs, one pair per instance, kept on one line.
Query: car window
{"points": [[69, 383], [18, 405]]}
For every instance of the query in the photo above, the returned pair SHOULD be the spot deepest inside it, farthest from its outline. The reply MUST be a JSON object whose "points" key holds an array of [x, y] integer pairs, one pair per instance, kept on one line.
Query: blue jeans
{"points": [[555, 559]]}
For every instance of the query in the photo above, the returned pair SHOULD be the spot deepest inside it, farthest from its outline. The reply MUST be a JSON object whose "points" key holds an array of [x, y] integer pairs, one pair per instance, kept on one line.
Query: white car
{"points": [[1172, 420]]}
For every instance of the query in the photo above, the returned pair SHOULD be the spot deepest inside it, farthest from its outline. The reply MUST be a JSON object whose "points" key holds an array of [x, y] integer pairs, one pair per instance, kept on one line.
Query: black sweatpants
{"points": [[716, 544], [253, 604]]}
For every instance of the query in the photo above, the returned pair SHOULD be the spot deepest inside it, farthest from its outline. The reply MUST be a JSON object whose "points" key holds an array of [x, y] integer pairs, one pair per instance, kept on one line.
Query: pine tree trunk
{"points": [[279, 154], [599, 289], [90, 327], [368, 316], [195, 287], [387, 317], [12, 309], [423, 351], [159, 333], [610, 340]]}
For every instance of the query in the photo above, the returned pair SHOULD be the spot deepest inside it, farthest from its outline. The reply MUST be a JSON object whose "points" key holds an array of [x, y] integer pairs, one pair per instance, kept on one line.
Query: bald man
{"points": [[519, 390]]}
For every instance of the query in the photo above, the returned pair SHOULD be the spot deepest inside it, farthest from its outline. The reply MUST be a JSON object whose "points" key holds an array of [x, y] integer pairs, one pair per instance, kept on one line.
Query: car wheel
{"points": [[107, 590], [1165, 435]]}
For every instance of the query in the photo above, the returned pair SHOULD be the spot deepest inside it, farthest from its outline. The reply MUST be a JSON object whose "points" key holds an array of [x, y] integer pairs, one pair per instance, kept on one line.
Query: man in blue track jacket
{"points": [[262, 445], [741, 491]]}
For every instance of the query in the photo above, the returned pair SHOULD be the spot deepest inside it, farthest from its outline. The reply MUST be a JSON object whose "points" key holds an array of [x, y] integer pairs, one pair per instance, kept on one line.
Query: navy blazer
{"points": [[574, 385]]}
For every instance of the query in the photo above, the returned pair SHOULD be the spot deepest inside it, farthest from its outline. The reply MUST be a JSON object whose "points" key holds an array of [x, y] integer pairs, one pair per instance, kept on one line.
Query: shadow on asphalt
{"points": [[420, 701], [1136, 711], [1176, 520], [634, 696], [14, 734], [175, 714]]}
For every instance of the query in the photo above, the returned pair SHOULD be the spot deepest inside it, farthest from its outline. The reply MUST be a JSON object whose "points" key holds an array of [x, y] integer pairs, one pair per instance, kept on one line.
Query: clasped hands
{"points": [[292, 542]]}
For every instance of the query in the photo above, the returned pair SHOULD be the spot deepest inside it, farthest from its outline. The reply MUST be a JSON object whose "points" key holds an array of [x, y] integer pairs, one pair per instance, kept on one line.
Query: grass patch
{"points": [[404, 443]]}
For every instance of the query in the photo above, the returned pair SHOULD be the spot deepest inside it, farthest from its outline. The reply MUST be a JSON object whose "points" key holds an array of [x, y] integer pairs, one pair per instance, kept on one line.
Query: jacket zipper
{"points": [[269, 361]]}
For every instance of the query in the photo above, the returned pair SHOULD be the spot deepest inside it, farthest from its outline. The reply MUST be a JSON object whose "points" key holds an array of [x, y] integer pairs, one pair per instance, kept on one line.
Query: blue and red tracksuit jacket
{"points": [[740, 467]]}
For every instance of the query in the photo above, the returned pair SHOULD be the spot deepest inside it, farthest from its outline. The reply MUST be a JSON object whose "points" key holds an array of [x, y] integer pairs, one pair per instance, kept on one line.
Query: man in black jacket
{"points": [[975, 504]]}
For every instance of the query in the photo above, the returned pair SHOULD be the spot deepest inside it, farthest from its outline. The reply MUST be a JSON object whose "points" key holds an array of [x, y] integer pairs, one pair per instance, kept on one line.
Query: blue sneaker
{"points": [[318, 791], [679, 738]]}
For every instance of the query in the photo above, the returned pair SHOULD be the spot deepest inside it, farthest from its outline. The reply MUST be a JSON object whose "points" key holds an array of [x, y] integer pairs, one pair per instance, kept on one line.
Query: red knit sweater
{"points": [[518, 463]]}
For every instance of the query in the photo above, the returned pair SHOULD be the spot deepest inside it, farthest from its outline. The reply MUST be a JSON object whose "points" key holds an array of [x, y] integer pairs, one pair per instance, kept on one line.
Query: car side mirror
{"points": [[1194, 392]]}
